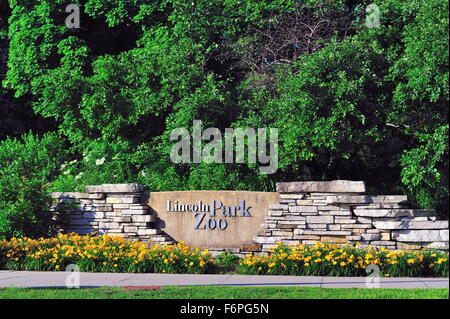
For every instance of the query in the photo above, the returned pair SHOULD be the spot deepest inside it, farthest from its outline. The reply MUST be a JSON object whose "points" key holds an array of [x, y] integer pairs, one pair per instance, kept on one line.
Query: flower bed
{"points": [[114, 254], [101, 254], [344, 260]]}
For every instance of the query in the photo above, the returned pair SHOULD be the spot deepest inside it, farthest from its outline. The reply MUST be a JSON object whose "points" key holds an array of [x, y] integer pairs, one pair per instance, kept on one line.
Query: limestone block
{"points": [[329, 207], [333, 239], [408, 246], [304, 202], [366, 199], [251, 247], [97, 196], [286, 226], [383, 243], [139, 206], [297, 223], [322, 232], [278, 207], [121, 206], [317, 226], [420, 235], [442, 224], [307, 237], [319, 219], [294, 217], [316, 198], [106, 208], [293, 196], [282, 233], [130, 229], [309, 242], [356, 226], [336, 213], [364, 220], [135, 212], [287, 201], [266, 247], [113, 200], [334, 227], [354, 237], [370, 236], [115, 188], [266, 240], [143, 218], [291, 242], [69, 195], [344, 221], [303, 209], [113, 214], [393, 212], [337, 186], [277, 218], [122, 219], [130, 200], [378, 206]]}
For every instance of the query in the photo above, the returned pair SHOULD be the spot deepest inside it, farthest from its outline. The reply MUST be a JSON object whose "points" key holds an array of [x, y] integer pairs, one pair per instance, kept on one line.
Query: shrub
{"points": [[28, 164], [227, 261]]}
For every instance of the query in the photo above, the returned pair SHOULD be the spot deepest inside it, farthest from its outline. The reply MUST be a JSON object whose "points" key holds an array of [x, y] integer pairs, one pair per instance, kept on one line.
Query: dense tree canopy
{"points": [[350, 101]]}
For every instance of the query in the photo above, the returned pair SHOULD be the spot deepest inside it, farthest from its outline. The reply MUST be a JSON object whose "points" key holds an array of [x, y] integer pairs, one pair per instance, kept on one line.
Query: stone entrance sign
{"points": [[303, 212], [212, 219]]}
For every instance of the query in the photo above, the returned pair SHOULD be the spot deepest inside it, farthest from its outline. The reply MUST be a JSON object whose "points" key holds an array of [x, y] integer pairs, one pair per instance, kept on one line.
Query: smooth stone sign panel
{"points": [[212, 219]]}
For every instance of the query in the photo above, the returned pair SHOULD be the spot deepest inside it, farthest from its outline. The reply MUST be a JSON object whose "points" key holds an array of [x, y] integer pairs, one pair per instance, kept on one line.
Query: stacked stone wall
{"points": [[115, 209], [339, 211]]}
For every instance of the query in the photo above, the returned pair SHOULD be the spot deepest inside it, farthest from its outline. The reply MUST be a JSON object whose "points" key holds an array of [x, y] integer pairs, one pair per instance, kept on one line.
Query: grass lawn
{"points": [[220, 292]]}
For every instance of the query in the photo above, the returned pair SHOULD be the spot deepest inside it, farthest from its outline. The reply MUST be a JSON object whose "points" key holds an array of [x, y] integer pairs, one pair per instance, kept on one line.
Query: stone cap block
{"points": [[115, 188], [367, 199], [337, 186], [69, 195], [441, 224], [384, 213], [421, 235]]}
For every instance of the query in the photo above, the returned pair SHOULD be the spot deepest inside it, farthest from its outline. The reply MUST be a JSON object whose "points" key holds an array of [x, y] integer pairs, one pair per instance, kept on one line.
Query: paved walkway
{"points": [[35, 279]]}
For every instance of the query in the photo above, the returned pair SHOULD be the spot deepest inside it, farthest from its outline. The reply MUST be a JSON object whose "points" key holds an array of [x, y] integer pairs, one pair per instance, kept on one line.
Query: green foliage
{"points": [[361, 103], [100, 163], [227, 261], [27, 166]]}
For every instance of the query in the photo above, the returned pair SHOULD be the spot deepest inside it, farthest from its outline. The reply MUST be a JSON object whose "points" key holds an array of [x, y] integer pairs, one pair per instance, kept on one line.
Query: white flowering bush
{"points": [[28, 165]]}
